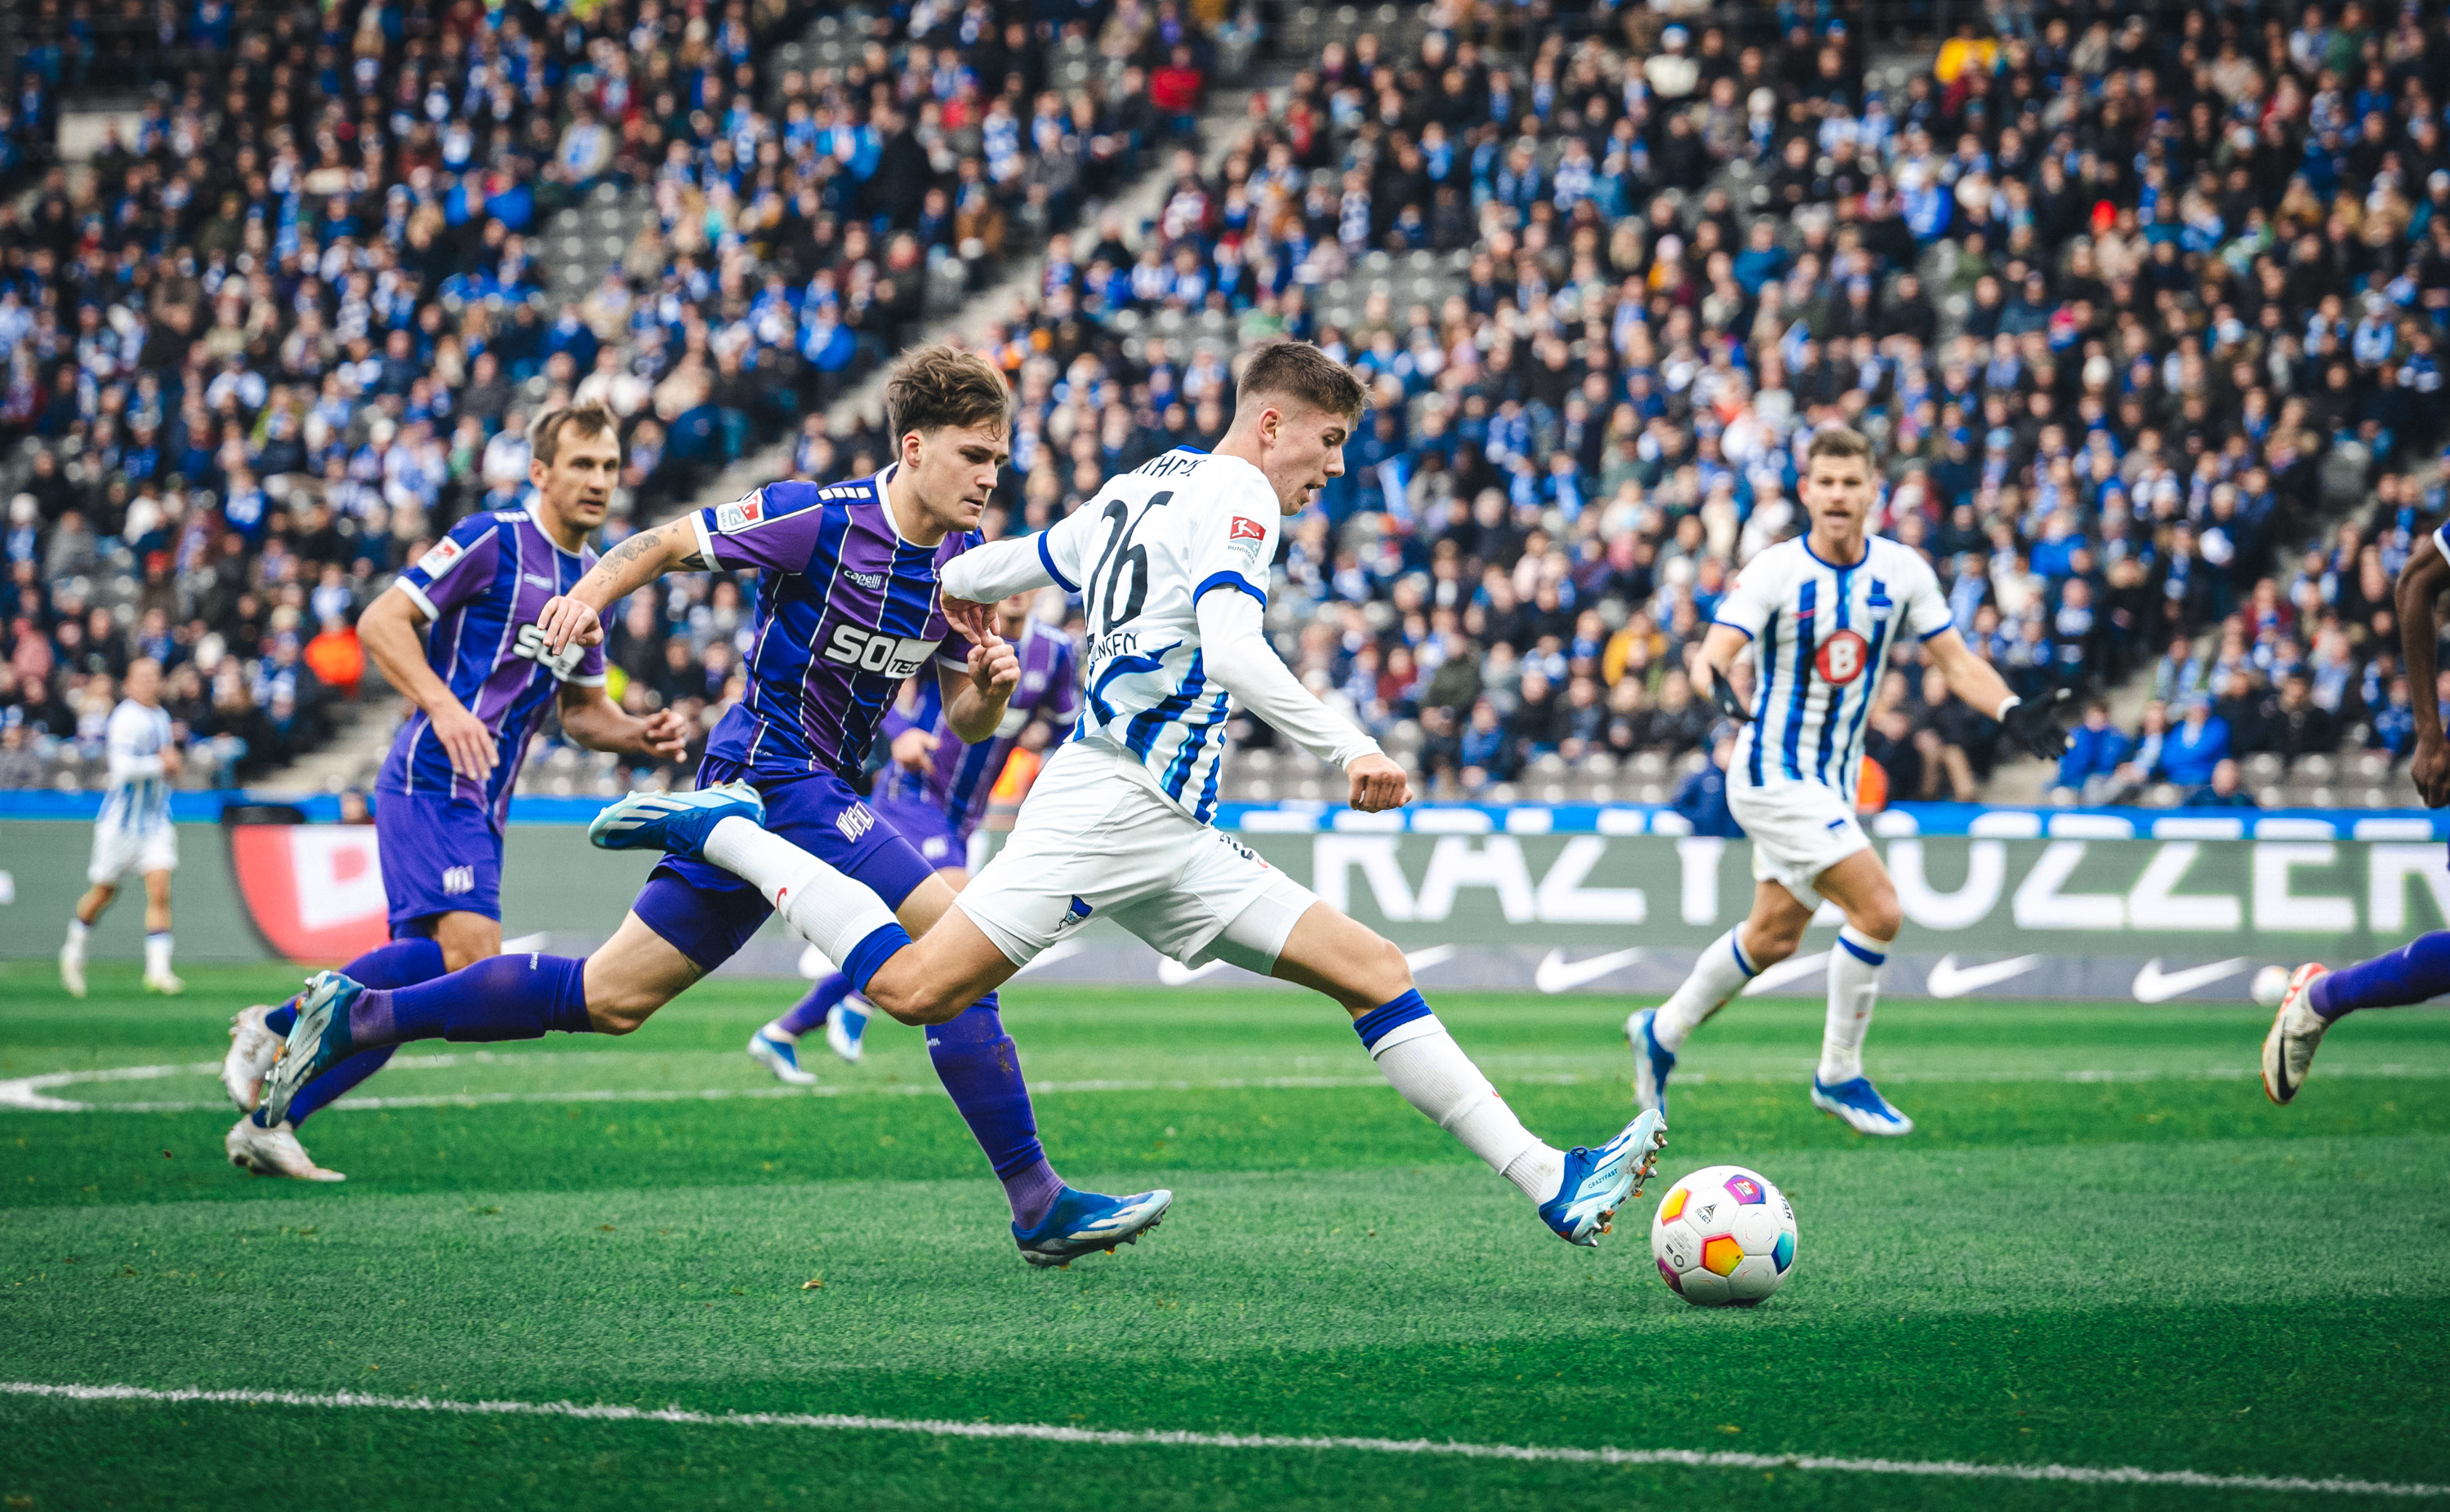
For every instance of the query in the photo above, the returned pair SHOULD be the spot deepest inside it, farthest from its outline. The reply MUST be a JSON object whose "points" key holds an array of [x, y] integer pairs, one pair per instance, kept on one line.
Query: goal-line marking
{"points": [[1159, 1438], [33, 1094]]}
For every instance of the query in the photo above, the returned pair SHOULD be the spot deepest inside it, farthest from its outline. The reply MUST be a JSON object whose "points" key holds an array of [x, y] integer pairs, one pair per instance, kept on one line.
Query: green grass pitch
{"points": [[2102, 1247]]}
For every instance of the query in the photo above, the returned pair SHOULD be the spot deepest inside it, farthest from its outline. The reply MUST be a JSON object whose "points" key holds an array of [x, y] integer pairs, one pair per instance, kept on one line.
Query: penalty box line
{"points": [[1159, 1438]]}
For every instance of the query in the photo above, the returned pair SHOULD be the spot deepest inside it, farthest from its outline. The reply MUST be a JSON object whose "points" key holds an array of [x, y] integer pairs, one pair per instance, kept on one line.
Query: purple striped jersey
{"points": [[482, 586], [847, 611], [960, 778]]}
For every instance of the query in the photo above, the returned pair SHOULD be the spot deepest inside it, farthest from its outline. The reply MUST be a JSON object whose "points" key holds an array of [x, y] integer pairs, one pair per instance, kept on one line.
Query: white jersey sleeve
{"points": [[1925, 606], [1757, 590], [1141, 555], [135, 739]]}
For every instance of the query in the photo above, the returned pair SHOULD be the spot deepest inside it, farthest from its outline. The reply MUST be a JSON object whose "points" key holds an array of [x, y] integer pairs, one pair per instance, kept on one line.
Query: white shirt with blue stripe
{"points": [[1140, 555], [139, 798], [1821, 635]]}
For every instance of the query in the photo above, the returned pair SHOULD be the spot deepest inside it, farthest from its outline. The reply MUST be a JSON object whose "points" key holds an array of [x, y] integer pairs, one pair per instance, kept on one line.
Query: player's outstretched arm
{"points": [[2034, 725], [392, 631], [591, 718], [578, 615], [2421, 583], [975, 697], [984, 577], [1714, 670], [1240, 659]]}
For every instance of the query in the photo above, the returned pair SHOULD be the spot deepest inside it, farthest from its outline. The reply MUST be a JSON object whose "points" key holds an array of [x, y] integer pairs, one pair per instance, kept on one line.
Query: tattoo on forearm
{"points": [[644, 543]]}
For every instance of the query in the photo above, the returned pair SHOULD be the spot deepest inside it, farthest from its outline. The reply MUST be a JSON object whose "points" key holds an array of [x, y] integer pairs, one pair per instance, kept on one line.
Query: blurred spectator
{"points": [[1702, 797], [2200, 743], [2223, 791], [2096, 749]]}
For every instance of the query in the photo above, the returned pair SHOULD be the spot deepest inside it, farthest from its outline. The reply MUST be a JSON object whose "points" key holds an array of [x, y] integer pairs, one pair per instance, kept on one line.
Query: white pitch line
{"points": [[32, 1094], [1159, 1438]]}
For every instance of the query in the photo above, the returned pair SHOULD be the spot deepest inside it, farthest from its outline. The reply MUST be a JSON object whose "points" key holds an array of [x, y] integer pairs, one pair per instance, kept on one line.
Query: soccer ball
{"points": [[1723, 1236], [2270, 985]]}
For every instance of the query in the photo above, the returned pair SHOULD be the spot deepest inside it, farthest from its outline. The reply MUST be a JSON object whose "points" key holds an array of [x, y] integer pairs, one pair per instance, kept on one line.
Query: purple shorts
{"points": [[439, 856], [707, 912], [928, 831]]}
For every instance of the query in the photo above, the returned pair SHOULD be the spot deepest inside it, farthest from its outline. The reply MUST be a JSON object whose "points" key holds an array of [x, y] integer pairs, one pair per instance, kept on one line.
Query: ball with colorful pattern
{"points": [[1723, 1237]]}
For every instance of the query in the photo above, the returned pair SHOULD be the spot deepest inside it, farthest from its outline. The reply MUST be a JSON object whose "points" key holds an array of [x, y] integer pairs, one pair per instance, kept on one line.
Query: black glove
{"points": [[2036, 727], [1724, 694]]}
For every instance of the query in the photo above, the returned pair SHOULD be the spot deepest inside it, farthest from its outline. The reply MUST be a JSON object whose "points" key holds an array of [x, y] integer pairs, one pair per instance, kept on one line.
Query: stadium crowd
{"points": [[2135, 316], [255, 357], [2142, 318]]}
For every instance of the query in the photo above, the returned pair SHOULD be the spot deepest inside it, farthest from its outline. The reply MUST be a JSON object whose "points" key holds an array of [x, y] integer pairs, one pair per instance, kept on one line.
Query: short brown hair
{"points": [[1838, 440], [1300, 372], [935, 386], [590, 419]]}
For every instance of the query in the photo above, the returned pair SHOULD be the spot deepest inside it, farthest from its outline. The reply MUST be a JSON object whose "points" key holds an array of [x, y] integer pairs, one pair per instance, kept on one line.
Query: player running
{"points": [[457, 637], [2419, 970], [1171, 562], [848, 610], [1821, 614], [133, 831], [933, 795]]}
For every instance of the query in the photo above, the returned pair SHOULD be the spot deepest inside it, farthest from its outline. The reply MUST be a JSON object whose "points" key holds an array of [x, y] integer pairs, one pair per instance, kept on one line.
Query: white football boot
{"points": [[72, 970], [2296, 1030], [780, 1054], [273, 1152], [252, 1050], [163, 982], [846, 1029]]}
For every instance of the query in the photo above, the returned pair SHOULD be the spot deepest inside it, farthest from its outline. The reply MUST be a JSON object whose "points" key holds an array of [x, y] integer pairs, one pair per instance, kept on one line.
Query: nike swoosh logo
{"points": [[524, 944], [1557, 973], [1948, 979], [1794, 969], [1424, 960], [1174, 974], [2153, 985]]}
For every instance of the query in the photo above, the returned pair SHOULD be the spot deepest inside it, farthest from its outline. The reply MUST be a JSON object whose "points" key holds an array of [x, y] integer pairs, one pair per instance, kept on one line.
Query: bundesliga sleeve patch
{"points": [[730, 519], [437, 561], [1245, 529]]}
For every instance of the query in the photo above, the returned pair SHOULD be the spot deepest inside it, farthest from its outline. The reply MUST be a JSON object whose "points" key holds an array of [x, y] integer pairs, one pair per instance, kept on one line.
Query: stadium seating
{"points": [[263, 347]]}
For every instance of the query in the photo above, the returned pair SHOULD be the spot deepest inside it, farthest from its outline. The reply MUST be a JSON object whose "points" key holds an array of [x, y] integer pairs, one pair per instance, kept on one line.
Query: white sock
{"points": [[823, 908], [1718, 975], [78, 929], [1431, 1070], [1853, 986], [157, 954]]}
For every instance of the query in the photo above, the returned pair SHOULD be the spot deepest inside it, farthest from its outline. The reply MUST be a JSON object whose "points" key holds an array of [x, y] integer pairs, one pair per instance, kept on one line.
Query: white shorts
{"points": [[1093, 842], [119, 849], [1799, 830]]}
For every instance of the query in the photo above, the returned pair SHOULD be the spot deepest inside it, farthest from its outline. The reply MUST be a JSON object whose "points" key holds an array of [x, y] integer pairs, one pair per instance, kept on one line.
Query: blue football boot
{"points": [[846, 1029], [1598, 1182], [1652, 1060], [318, 1042], [676, 823], [1084, 1222], [1860, 1104], [780, 1054]]}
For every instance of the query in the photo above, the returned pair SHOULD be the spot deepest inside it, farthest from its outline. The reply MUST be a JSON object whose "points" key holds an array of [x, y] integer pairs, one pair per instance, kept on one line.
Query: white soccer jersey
{"points": [[1140, 554], [1821, 640], [139, 799]]}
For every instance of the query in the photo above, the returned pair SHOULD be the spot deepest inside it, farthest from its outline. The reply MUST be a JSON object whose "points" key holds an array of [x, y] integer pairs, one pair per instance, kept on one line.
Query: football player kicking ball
{"points": [[1819, 614], [934, 795], [848, 610], [480, 679], [2418, 971], [1171, 562]]}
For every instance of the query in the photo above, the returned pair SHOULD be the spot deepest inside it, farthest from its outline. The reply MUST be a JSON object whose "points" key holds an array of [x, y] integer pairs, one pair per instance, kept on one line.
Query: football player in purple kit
{"points": [[934, 793], [458, 638], [848, 609]]}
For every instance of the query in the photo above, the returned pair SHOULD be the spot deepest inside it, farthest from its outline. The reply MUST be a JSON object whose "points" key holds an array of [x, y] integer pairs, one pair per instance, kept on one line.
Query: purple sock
{"points": [[505, 997], [400, 963], [2416, 972], [981, 1066], [814, 1009]]}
